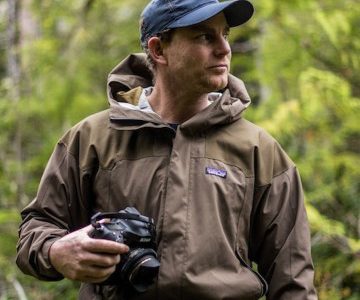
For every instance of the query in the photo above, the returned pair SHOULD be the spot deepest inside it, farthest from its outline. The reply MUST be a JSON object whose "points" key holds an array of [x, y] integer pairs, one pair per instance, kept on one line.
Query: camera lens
{"points": [[144, 273], [141, 268]]}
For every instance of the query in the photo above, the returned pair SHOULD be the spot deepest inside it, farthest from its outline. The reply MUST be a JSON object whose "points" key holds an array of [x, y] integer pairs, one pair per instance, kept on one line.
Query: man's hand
{"points": [[78, 257]]}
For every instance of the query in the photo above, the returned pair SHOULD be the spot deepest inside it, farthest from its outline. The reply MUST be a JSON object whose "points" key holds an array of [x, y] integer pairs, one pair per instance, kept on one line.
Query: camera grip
{"points": [[102, 232]]}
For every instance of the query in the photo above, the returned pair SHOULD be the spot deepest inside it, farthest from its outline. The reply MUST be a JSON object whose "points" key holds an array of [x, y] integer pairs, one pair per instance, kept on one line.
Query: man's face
{"points": [[198, 57]]}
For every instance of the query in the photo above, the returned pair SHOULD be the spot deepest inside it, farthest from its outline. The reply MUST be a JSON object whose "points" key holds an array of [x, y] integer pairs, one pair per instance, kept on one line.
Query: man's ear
{"points": [[156, 50]]}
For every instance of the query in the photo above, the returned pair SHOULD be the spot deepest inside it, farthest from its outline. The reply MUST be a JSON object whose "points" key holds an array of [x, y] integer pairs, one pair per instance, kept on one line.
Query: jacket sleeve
{"points": [[57, 209], [281, 238]]}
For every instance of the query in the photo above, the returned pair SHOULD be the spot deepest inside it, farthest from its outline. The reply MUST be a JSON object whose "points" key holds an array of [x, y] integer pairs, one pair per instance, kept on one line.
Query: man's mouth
{"points": [[219, 67]]}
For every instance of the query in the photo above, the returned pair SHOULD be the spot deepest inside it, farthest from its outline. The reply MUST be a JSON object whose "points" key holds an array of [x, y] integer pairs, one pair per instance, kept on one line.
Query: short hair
{"points": [[165, 37]]}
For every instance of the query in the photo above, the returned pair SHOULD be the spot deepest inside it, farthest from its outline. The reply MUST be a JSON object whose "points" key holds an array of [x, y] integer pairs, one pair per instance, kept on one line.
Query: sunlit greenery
{"points": [[299, 59]]}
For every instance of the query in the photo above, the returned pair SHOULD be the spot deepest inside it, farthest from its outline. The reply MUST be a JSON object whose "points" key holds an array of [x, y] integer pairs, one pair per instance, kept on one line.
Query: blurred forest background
{"points": [[300, 60]]}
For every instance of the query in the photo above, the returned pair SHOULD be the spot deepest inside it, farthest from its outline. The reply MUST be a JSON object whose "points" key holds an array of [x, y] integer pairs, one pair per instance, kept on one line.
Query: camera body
{"points": [[139, 267]]}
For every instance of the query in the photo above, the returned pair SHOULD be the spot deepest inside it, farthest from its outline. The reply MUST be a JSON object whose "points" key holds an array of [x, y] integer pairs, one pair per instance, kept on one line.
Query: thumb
{"points": [[87, 229]]}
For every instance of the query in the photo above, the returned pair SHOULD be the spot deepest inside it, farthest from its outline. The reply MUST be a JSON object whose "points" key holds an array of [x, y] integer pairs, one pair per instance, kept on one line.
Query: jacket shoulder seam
{"points": [[293, 166]]}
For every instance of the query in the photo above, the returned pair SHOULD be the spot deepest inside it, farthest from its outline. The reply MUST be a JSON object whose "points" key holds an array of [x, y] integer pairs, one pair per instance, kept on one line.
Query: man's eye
{"points": [[205, 37]]}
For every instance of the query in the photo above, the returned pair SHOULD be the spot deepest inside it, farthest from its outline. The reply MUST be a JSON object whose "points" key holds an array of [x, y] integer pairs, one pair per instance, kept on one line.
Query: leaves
{"points": [[299, 59], [309, 63]]}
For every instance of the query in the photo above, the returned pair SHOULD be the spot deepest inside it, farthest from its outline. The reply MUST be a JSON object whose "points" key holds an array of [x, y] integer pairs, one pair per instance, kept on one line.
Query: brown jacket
{"points": [[222, 191]]}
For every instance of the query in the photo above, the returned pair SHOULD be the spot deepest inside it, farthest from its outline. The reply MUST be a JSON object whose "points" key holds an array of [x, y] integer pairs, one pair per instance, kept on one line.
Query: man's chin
{"points": [[213, 83], [219, 85]]}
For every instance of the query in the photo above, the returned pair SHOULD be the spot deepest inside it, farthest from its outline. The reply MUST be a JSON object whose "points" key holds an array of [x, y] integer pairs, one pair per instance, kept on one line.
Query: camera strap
{"points": [[119, 215]]}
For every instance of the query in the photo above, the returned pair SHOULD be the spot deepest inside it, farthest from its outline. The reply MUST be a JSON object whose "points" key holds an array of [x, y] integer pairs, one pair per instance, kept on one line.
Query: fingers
{"points": [[102, 245], [88, 267], [101, 260], [105, 246], [80, 257], [86, 229], [92, 274]]}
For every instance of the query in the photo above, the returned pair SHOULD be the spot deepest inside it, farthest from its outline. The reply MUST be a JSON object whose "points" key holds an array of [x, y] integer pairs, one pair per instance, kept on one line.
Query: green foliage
{"points": [[300, 61], [309, 64]]}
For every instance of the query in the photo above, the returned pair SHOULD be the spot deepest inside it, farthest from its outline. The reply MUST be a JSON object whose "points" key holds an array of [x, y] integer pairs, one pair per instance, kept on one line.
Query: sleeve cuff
{"points": [[47, 271]]}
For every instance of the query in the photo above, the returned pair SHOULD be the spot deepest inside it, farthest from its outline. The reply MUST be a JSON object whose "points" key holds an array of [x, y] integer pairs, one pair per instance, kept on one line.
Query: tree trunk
{"points": [[14, 75], [13, 51]]}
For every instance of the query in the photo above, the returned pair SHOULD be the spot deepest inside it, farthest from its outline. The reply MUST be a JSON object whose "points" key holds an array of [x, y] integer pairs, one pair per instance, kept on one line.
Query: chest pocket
{"points": [[216, 197]]}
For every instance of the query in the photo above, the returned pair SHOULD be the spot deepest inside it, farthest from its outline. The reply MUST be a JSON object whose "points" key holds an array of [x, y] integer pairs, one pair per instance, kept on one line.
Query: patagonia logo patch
{"points": [[216, 172]]}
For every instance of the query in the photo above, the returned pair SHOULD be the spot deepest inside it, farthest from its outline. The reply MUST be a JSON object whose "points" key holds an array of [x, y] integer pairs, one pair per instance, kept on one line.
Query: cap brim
{"points": [[236, 12]]}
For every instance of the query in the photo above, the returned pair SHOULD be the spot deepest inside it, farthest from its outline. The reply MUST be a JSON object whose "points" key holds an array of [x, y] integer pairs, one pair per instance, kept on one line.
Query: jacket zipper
{"points": [[264, 285]]}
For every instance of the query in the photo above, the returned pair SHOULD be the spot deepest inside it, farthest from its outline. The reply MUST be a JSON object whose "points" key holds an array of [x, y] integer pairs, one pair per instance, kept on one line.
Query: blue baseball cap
{"points": [[160, 15]]}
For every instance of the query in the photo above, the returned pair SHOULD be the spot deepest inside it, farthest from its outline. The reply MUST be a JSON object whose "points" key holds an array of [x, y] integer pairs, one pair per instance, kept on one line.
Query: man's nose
{"points": [[222, 46]]}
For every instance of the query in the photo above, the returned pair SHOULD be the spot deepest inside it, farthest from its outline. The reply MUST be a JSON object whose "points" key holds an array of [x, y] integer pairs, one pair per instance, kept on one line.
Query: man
{"points": [[222, 192]]}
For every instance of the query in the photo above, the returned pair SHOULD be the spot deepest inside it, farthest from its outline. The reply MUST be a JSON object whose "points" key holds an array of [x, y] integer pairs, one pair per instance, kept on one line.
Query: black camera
{"points": [[139, 267]]}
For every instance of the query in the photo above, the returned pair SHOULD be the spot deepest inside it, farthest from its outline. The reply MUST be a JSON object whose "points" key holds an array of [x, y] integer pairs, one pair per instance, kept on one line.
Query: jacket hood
{"points": [[133, 72]]}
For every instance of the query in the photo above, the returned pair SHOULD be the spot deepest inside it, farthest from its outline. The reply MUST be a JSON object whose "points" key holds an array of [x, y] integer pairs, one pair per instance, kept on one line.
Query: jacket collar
{"points": [[125, 83]]}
